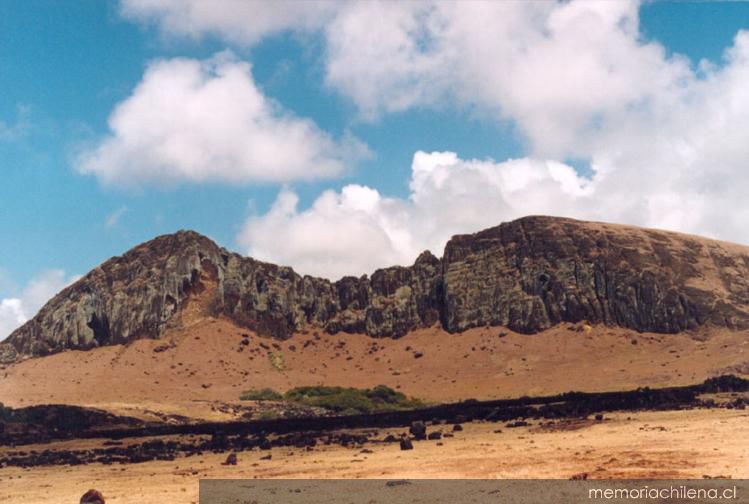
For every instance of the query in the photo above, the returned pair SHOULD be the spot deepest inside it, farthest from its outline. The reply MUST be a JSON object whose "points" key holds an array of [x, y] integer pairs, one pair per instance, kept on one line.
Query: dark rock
{"points": [[406, 444], [231, 459], [457, 428], [418, 355], [527, 275], [418, 430], [518, 423], [397, 483], [434, 435], [8, 353], [599, 417], [92, 497]]}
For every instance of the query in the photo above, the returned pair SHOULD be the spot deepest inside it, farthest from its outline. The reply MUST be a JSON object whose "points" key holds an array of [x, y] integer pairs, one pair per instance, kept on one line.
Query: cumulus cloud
{"points": [[663, 137], [15, 311], [560, 70], [357, 229], [240, 21], [206, 121]]}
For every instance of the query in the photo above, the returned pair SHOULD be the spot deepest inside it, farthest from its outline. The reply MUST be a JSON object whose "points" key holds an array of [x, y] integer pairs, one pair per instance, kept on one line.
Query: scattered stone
{"points": [[406, 444], [518, 423], [418, 430], [418, 355], [599, 417], [579, 476], [457, 427], [231, 459], [434, 435], [92, 497], [397, 483]]}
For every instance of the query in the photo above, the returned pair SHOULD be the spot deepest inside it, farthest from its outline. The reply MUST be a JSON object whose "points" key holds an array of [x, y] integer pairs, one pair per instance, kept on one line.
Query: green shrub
{"points": [[277, 361], [264, 394], [350, 400]]}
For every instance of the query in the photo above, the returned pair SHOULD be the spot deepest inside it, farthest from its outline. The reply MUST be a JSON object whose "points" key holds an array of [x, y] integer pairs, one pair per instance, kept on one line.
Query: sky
{"points": [[342, 137]]}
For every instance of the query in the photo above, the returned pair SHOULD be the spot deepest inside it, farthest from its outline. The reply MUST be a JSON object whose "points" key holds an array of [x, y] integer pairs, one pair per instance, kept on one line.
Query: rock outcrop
{"points": [[527, 275]]}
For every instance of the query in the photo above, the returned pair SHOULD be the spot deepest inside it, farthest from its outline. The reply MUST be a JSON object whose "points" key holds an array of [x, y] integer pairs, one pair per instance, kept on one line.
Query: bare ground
{"points": [[677, 444], [204, 370], [200, 371]]}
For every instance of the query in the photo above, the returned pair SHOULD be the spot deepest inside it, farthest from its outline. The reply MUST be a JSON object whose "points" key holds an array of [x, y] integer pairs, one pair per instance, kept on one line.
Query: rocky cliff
{"points": [[527, 275]]}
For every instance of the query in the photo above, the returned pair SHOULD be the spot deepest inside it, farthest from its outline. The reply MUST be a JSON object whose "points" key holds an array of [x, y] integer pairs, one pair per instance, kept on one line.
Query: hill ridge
{"points": [[528, 274]]}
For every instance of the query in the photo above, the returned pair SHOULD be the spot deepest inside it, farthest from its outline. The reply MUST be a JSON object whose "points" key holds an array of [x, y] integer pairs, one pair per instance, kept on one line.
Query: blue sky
{"points": [[355, 195]]}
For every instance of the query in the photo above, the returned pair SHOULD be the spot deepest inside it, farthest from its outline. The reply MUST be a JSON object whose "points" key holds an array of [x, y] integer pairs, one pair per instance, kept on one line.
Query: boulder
{"points": [[418, 430], [92, 497]]}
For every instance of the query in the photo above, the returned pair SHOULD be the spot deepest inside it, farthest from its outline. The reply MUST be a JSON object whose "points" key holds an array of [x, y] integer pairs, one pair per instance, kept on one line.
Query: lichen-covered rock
{"points": [[528, 275], [535, 272], [8, 353]]}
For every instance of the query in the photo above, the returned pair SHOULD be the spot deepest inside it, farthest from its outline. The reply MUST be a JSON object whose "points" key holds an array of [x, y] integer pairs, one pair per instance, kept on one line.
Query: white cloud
{"points": [[11, 131], [114, 218], [15, 311], [206, 121], [559, 70], [665, 138], [240, 21], [12, 316], [357, 229]]}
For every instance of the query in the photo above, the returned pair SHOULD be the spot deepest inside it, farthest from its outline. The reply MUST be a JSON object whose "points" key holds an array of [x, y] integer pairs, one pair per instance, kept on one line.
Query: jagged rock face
{"points": [[8, 354], [533, 273], [528, 275], [174, 279], [128, 297]]}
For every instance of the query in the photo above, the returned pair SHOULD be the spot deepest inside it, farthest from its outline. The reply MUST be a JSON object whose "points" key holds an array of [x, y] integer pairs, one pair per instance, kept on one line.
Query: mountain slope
{"points": [[528, 275]]}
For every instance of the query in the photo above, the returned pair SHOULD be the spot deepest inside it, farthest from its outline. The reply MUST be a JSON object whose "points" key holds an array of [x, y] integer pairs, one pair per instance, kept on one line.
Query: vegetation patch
{"points": [[264, 394], [343, 400], [277, 361], [352, 401]]}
